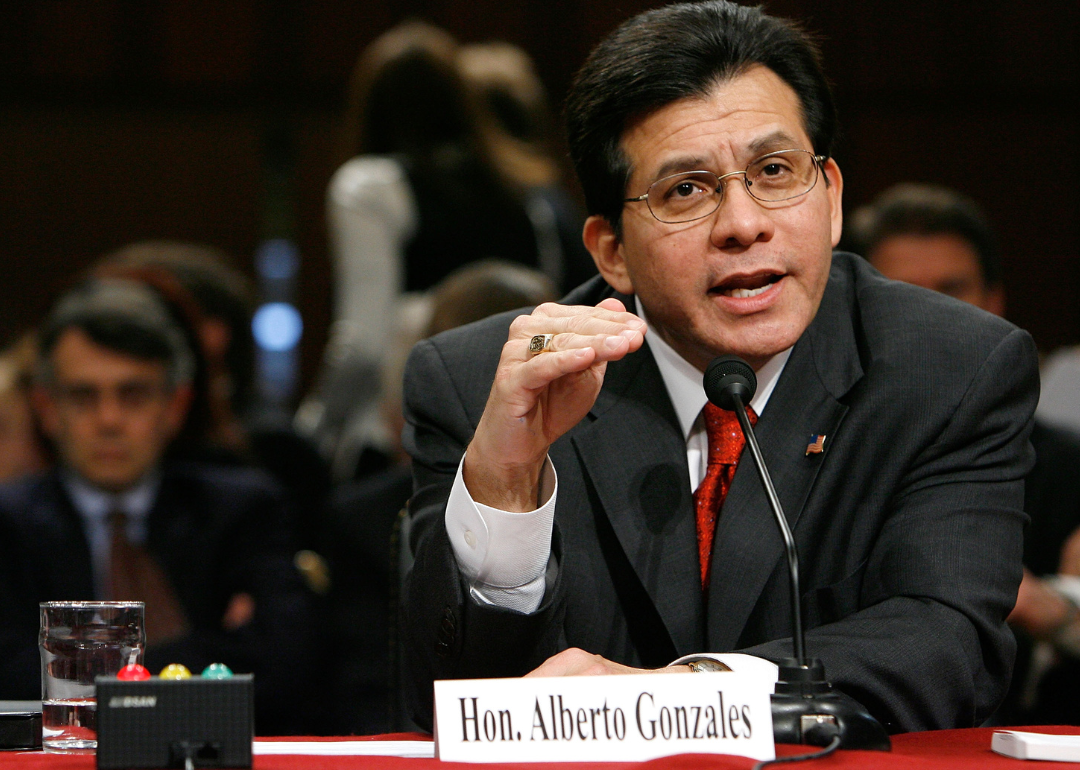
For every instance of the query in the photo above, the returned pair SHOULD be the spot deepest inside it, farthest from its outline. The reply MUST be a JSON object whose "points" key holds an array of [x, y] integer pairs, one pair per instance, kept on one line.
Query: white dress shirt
{"points": [[504, 555], [371, 214]]}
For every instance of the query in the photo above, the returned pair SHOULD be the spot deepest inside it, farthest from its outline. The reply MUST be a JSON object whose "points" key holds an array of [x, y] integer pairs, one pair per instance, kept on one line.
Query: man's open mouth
{"points": [[742, 287]]}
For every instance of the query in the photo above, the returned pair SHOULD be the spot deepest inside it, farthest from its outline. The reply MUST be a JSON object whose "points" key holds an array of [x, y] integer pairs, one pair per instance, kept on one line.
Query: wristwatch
{"points": [[703, 665]]}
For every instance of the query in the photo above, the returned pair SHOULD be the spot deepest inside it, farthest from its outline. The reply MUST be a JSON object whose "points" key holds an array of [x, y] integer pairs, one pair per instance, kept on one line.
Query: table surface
{"points": [[939, 749], [20, 705]]}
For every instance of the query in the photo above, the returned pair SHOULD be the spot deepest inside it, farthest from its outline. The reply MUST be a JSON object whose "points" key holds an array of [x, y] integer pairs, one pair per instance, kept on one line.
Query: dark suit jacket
{"points": [[216, 531], [909, 524], [1052, 500], [1051, 496], [360, 538]]}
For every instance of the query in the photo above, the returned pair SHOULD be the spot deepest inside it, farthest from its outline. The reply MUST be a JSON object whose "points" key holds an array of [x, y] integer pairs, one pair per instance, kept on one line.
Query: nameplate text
{"points": [[603, 718]]}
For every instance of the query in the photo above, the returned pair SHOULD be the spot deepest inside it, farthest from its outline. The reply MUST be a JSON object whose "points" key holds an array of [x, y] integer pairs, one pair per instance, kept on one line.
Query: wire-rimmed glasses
{"points": [[689, 195]]}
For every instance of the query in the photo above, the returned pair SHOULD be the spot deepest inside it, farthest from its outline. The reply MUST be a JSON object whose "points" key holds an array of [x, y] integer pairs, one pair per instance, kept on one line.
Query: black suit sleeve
{"points": [[1051, 496], [20, 673], [446, 634], [927, 646]]}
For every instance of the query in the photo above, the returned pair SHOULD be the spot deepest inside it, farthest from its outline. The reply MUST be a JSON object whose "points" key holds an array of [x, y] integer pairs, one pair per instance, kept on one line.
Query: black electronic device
{"points": [[20, 730], [185, 723], [806, 708]]}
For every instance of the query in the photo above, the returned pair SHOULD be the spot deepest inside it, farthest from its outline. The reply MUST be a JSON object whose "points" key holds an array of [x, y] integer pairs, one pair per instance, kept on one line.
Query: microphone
{"points": [[806, 708]]}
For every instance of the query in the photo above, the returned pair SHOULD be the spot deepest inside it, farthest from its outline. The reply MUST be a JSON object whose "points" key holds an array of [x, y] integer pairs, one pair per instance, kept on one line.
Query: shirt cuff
{"points": [[739, 662], [503, 555]]}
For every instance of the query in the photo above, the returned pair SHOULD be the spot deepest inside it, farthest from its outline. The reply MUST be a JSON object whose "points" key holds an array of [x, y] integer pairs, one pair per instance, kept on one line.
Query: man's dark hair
{"points": [[925, 209], [123, 316], [219, 289], [406, 96], [672, 53]]}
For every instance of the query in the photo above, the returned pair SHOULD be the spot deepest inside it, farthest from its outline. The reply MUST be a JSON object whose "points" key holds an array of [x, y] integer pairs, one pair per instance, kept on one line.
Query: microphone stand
{"points": [[797, 636], [806, 708]]}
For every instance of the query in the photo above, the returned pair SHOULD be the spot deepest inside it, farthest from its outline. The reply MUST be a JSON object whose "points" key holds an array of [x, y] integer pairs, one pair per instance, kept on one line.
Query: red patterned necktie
{"points": [[135, 575], [725, 445]]}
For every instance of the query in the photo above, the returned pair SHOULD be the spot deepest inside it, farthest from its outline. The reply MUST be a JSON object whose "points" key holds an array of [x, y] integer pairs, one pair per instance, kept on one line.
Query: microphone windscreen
{"points": [[726, 375]]}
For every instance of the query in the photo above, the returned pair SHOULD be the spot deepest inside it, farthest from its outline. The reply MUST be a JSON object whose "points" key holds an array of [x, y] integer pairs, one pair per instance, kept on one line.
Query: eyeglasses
{"points": [[132, 395], [689, 195]]}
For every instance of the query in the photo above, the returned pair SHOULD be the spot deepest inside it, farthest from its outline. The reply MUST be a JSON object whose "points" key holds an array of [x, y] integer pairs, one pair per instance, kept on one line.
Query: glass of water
{"points": [[78, 642]]}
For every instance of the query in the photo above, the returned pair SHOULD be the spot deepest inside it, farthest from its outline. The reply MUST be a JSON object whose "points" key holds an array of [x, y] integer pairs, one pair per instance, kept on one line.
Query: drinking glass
{"points": [[78, 642]]}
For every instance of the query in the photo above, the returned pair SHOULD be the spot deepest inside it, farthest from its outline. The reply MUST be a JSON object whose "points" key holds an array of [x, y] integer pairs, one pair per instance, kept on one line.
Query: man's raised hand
{"points": [[577, 662], [537, 397]]}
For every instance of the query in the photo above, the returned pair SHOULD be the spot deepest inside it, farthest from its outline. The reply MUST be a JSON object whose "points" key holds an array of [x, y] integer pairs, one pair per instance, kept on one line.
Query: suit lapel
{"points": [[823, 366], [634, 454], [73, 574]]}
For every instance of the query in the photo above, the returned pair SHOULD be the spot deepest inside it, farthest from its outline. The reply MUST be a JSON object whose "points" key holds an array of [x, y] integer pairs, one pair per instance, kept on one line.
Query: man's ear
{"points": [[45, 407], [835, 191], [176, 409], [607, 252]]}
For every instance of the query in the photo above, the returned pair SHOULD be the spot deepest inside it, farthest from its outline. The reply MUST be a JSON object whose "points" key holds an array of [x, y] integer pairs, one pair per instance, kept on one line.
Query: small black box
{"points": [[20, 730], [162, 722]]}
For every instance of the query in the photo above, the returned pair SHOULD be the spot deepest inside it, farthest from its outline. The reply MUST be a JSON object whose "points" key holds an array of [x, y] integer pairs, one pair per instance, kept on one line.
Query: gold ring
{"points": [[541, 343]]}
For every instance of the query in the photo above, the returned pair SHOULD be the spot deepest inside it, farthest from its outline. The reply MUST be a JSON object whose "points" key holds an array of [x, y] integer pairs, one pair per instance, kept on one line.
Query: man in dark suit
{"points": [[939, 239], [555, 511], [205, 547]]}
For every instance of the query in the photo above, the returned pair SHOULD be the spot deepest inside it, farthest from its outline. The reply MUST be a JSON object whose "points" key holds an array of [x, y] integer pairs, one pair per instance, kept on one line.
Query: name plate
{"points": [[603, 718]]}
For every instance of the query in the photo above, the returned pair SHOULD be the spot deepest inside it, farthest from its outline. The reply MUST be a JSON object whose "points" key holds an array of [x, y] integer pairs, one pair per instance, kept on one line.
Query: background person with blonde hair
{"points": [[433, 180]]}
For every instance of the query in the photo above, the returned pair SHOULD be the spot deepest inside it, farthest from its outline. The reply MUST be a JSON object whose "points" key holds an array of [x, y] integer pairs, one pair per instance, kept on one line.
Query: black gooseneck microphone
{"points": [[806, 708]]}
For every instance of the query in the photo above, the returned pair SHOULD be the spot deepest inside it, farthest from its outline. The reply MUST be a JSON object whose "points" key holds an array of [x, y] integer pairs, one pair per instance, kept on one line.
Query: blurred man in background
{"points": [[204, 546], [242, 433], [941, 240]]}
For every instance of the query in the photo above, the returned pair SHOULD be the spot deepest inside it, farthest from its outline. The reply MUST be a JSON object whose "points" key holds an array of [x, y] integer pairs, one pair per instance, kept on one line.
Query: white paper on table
{"points": [[1022, 745], [417, 749]]}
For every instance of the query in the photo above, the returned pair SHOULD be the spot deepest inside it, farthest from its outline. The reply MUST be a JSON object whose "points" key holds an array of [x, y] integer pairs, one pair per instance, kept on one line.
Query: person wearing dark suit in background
{"points": [[245, 434], [555, 525], [363, 515], [206, 547], [936, 238]]}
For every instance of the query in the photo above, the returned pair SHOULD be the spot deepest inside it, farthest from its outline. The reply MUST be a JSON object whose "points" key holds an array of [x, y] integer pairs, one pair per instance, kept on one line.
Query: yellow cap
{"points": [[175, 671]]}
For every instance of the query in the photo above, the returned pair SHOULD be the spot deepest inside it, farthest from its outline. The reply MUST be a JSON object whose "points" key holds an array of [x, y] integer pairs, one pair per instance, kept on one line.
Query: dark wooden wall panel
{"points": [[995, 158], [217, 122], [83, 182]]}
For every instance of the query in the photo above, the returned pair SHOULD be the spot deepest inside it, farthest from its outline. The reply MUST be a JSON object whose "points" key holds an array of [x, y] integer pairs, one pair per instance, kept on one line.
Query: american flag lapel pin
{"points": [[816, 445]]}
